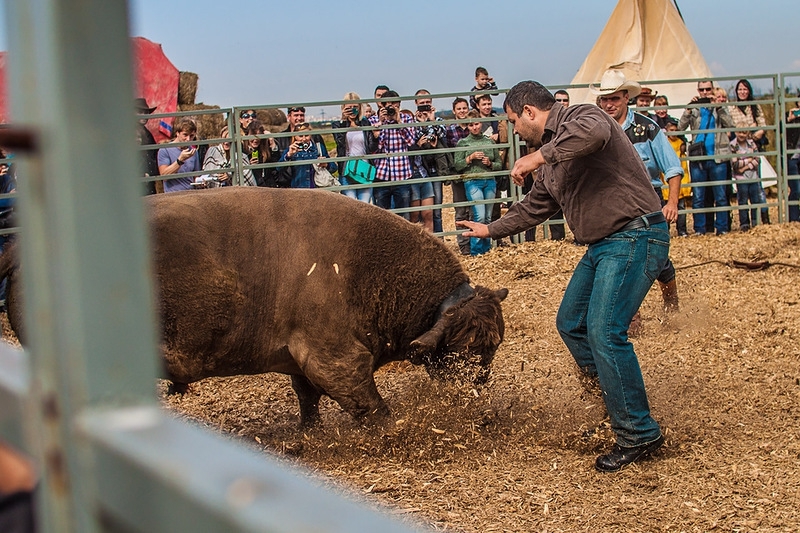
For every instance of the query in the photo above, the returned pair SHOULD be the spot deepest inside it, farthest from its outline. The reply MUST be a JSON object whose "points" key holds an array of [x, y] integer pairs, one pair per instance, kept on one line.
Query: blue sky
{"points": [[259, 52]]}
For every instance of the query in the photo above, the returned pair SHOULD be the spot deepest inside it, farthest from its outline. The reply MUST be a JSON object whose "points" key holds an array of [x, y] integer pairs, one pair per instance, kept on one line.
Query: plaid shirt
{"points": [[394, 140], [456, 132]]}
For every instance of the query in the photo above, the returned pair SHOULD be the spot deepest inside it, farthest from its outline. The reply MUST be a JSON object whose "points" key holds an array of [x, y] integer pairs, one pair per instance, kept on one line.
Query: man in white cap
{"points": [[584, 163], [652, 145]]}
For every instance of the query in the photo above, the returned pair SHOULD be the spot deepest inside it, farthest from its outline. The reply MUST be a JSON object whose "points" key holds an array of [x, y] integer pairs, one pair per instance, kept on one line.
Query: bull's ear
{"points": [[426, 343], [501, 293]]}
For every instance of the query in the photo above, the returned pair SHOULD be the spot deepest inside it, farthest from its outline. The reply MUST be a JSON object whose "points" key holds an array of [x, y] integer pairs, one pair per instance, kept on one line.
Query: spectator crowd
{"points": [[422, 155]]}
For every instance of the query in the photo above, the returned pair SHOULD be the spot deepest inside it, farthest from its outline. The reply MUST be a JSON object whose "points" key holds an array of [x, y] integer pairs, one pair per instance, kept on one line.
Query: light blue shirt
{"points": [[654, 148]]}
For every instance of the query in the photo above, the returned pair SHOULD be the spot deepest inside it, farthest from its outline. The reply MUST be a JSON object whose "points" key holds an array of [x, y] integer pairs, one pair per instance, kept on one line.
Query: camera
{"points": [[796, 112], [424, 107], [704, 100], [390, 111], [303, 146]]}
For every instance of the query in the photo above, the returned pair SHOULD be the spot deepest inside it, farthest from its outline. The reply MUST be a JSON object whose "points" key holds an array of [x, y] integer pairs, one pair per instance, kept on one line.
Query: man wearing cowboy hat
{"points": [[584, 163], [149, 157], [652, 145]]}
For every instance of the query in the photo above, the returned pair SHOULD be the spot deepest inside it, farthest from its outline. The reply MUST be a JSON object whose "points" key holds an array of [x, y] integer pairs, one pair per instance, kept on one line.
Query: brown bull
{"points": [[310, 284]]}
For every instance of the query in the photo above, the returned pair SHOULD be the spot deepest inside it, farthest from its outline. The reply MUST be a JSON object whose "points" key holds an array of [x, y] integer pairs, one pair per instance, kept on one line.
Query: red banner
{"points": [[156, 81]]}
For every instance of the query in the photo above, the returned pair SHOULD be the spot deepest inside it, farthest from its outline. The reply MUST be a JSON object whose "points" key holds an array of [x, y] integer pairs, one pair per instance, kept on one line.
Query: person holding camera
{"points": [[179, 159], [708, 143], [302, 148], [295, 116], [353, 143], [394, 170], [429, 137]]}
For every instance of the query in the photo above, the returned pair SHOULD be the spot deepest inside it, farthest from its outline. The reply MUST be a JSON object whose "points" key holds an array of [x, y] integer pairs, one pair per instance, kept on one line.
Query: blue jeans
{"points": [[793, 167], [398, 196], [482, 213], [363, 195], [437, 200], [704, 172], [751, 193], [606, 289]]}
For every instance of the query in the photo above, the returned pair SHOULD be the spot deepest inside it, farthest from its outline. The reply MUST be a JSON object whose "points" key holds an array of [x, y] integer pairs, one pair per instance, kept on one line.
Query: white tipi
{"points": [[648, 41]]}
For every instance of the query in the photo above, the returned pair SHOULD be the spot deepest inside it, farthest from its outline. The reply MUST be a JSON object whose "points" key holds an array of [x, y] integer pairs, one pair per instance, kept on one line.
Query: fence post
{"points": [[88, 295]]}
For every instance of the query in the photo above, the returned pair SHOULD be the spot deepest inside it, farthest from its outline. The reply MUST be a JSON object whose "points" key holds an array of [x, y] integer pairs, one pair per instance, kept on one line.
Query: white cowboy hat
{"points": [[613, 80]]}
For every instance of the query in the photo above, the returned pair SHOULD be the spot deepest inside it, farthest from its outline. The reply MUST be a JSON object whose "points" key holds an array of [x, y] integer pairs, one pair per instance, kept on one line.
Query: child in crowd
{"points": [[472, 164], [483, 82], [302, 149], [678, 143], [745, 172]]}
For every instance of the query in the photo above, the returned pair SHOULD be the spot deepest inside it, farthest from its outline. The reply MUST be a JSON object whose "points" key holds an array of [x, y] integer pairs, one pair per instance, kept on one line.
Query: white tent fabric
{"points": [[648, 41]]}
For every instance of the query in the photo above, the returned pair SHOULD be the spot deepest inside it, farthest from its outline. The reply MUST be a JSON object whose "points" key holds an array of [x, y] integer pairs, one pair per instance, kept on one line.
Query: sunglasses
{"points": [[297, 110], [705, 89], [248, 115], [562, 99]]}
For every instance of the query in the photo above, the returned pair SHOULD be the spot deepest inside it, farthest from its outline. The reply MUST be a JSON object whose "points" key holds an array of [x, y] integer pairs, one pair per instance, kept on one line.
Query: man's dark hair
{"points": [[458, 101], [483, 97], [530, 93], [561, 91], [380, 88], [389, 94]]}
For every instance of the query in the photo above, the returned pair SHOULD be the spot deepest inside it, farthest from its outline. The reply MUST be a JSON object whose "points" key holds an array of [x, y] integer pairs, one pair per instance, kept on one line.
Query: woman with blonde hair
{"points": [[354, 143]]}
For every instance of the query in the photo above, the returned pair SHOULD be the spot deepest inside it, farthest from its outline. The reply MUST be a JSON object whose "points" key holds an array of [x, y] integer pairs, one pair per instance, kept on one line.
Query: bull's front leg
{"points": [[308, 395], [346, 375]]}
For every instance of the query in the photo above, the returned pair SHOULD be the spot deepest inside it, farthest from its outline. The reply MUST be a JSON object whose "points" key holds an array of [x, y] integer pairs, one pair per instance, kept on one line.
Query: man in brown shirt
{"points": [[584, 164]]}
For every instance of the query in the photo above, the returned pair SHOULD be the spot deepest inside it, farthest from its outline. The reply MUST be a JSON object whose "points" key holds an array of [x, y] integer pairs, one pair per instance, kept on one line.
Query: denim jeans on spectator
{"points": [[437, 200], [609, 284], [363, 195], [462, 213], [393, 196], [753, 194], [705, 172], [421, 191], [478, 190], [793, 167]]}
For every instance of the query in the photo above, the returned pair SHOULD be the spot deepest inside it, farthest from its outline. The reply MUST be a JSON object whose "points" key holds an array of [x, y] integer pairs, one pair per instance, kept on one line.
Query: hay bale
{"points": [[187, 88], [274, 119], [208, 125]]}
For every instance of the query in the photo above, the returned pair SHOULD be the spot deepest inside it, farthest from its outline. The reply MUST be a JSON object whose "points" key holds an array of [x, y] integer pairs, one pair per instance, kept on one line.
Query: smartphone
{"points": [[193, 147], [796, 112], [254, 154]]}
